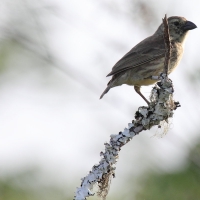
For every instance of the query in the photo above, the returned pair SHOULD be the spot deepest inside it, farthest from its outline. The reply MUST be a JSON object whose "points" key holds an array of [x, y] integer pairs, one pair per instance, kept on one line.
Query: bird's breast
{"points": [[176, 55], [142, 75]]}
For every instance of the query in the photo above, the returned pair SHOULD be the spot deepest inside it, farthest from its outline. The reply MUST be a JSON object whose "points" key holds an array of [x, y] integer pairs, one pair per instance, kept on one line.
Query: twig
{"points": [[161, 108], [167, 44]]}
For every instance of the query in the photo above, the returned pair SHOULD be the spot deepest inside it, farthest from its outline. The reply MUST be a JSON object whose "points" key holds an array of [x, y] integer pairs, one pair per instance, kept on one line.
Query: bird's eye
{"points": [[176, 23]]}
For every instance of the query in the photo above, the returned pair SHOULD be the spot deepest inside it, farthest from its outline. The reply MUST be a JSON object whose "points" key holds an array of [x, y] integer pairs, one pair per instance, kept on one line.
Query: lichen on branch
{"points": [[161, 108]]}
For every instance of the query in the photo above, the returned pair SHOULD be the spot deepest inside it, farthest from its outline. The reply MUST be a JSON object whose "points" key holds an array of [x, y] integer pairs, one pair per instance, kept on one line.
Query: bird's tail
{"points": [[105, 91]]}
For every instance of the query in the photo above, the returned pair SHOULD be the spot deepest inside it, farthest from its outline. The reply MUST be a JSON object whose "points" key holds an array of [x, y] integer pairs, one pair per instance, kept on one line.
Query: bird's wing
{"points": [[149, 49]]}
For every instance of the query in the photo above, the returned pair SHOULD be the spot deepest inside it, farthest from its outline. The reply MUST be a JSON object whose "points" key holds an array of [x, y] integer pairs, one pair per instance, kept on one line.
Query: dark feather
{"points": [[149, 49]]}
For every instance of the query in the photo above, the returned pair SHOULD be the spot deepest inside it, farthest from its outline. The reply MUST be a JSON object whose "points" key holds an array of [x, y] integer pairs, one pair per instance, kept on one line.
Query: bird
{"points": [[146, 59]]}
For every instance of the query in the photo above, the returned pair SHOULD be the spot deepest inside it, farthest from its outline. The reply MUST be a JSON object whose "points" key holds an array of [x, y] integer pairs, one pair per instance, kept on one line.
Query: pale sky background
{"points": [[51, 117]]}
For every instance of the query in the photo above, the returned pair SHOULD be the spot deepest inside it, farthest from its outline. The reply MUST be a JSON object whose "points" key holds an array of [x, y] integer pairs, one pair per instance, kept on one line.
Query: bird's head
{"points": [[178, 28]]}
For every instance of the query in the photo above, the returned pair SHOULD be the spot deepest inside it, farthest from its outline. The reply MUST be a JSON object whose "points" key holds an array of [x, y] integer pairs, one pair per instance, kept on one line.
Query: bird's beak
{"points": [[189, 26]]}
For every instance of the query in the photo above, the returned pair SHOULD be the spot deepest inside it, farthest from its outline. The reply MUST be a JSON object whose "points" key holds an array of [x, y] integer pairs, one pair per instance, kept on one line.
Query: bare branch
{"points": [[167, 45]]}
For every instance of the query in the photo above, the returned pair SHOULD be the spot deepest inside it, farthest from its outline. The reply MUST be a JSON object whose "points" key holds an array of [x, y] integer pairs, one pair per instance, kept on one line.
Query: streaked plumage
{"points": [[146, 59]]}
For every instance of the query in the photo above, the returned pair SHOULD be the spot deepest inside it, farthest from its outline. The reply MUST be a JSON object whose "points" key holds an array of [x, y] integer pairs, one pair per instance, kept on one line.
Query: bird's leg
{"points": [[137, 89]]}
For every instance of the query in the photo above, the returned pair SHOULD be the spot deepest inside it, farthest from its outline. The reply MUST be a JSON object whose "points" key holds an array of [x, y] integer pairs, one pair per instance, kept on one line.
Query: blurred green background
{"points": [[54, 58]]}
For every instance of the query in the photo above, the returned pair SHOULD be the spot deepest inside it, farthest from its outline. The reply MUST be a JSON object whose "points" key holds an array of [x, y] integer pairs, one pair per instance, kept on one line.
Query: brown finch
{"points": [[146, 59]]}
